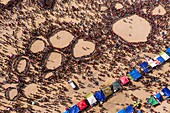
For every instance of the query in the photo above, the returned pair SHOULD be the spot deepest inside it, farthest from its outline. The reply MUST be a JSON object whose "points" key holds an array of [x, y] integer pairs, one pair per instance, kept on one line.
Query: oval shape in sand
{"points": [[54, 60], [37, 46], [48, 75], [118, 6], [132, 28], [21, 65], [13, 93], [83, 48], [61, 39]]}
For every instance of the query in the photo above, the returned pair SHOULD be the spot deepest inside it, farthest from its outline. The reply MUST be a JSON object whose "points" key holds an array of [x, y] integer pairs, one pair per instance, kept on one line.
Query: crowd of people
{"points": [[110, 57]]}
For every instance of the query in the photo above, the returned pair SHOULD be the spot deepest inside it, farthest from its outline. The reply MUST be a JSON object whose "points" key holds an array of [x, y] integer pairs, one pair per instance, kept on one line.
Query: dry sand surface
{"points": [[13, 93], [61, 39], [30, 90], [118, 6], [21, 65], [103, 8], [48, 75], [159, 10], [83, 48], [54, 60], [37, 46], [4, 1], [47, 90], [130, 28]]}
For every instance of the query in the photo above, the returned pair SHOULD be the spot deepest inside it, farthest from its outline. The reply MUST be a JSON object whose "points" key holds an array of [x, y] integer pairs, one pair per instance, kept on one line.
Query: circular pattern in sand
{"points": [[20, 65], [61, 39], [53, 61], [37, 46], [83, 48], [132, 28], [11, 93]]}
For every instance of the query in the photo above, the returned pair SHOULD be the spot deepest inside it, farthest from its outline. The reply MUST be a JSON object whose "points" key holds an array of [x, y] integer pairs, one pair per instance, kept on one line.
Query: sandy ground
{"points": [[61, 39], [30, 90], [83, 48], [130, 28], [4, 1], [12, 93], [37, 46], [107, 64], [21, 65], [54, 60], [159, 10], [118, 6]]}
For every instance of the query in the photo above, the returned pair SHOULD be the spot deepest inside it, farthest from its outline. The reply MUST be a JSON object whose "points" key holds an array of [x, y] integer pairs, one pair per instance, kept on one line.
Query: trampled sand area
{"points": [[44, 44], [130, 28]]}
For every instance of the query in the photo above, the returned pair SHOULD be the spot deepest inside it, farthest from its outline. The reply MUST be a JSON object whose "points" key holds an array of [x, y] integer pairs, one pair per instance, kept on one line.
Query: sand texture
{"points": [[21, 65], [118, 6], [54, 60], [159, 10], [46, 43], [13, 93], [130, 28], [83, 48], [37, 46], [61, 39]]}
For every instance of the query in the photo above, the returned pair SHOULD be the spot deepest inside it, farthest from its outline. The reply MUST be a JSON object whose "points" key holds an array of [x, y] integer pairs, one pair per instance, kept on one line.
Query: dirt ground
{"points": [[44, 44]]}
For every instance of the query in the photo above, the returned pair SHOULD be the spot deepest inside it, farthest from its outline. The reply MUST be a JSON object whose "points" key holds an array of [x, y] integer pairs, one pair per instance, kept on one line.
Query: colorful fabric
{"points": [[91, 99], [82, 105], [107, 91], [135, 74], [74, 109], [124, 80], [115, 86], [130, 109], [166, 91], [164, 56], [122, 111], [159, 97], [153, 101], [100, 96]]}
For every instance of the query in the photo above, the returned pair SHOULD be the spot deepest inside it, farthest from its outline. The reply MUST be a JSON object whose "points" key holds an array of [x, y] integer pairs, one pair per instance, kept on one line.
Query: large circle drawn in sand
{"points": [[37, 45], [83, 48], [20, 65], [132, 29], [61, 39], [11, 93], [53, 60]]}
